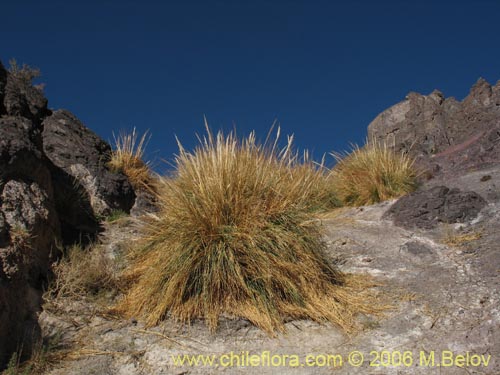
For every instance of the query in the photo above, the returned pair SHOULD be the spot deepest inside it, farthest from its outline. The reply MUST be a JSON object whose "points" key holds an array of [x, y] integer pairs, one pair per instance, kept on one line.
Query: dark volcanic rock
{"points": [[80, 153], [426, 208], [21, 150], [28, 234], [76, 216], [445, 135], [53, 183]]}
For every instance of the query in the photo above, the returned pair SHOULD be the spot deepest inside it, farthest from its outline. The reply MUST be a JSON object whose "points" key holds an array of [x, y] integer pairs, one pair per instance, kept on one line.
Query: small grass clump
{"points": [[128, 158], [82, 272], [454, 239], [116, 215], [372, 173], [235, 235]]}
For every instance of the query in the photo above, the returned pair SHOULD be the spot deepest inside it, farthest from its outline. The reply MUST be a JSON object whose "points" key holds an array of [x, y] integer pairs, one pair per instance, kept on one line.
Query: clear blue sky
{"points": [[323, 69]]}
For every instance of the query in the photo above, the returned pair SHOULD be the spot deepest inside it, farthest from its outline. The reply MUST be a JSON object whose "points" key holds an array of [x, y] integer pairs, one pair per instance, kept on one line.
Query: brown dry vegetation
{"points": [[81, 273], [236, 235], [128, 158], [456, 239], [371, 174]]}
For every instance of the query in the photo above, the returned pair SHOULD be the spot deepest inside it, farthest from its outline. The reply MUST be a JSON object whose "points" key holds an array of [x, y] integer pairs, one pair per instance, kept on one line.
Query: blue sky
{"points": [[322, 69]]}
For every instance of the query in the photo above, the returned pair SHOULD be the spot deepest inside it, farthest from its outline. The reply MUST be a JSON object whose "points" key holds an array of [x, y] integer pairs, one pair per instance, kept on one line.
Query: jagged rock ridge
{"points": [[445, 135]]}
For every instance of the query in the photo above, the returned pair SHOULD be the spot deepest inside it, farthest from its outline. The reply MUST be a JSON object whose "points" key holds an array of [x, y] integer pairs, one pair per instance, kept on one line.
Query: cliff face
{"points": [[53, 184], [445, 135]]}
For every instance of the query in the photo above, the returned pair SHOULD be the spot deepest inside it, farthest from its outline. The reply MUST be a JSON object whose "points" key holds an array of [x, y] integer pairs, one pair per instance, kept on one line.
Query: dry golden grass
{"points": [[320, 194], [128, 158], [451, 238], [372, 173], [235, 236], [81, 273]]}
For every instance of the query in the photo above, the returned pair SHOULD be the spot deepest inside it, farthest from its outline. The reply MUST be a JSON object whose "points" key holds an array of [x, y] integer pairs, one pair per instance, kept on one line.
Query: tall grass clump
{"points": [[128, 158], [372, 173], [235, 236]]}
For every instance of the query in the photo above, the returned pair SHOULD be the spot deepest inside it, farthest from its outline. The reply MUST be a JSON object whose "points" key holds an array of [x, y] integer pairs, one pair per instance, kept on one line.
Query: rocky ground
{"points": [[434, 252], [444, 284]]}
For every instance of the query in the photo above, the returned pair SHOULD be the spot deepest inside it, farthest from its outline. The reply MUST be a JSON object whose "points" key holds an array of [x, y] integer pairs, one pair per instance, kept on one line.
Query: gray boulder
{"points": [[427, 208], [80, 153], [145, 202]]}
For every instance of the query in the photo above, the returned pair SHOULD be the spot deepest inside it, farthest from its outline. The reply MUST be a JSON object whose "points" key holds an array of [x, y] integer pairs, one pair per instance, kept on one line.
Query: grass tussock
{"points": [[372, 173], [81, 273], [128, 158], [236, 236]]}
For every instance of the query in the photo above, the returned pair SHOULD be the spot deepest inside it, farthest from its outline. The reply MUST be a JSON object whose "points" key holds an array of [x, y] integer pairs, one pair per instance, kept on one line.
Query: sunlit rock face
{"points": [[445, 135]]}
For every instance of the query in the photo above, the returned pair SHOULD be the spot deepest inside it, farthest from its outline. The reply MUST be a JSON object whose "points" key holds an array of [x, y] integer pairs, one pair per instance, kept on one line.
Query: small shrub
{"points": [[25, 74], [128, 158], [372, 173], [235, 235]]}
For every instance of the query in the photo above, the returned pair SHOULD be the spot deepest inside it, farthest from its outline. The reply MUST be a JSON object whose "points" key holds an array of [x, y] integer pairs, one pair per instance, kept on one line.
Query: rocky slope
{"points": [[434, 252], [445, 297], [54, 184]]}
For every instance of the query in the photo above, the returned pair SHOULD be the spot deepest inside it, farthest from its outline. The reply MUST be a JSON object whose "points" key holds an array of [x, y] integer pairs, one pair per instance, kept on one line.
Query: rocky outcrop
{"points": [[427, 208], [146, 202], [30, 228], [80, 153], [445, 135], [54, 183]]}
